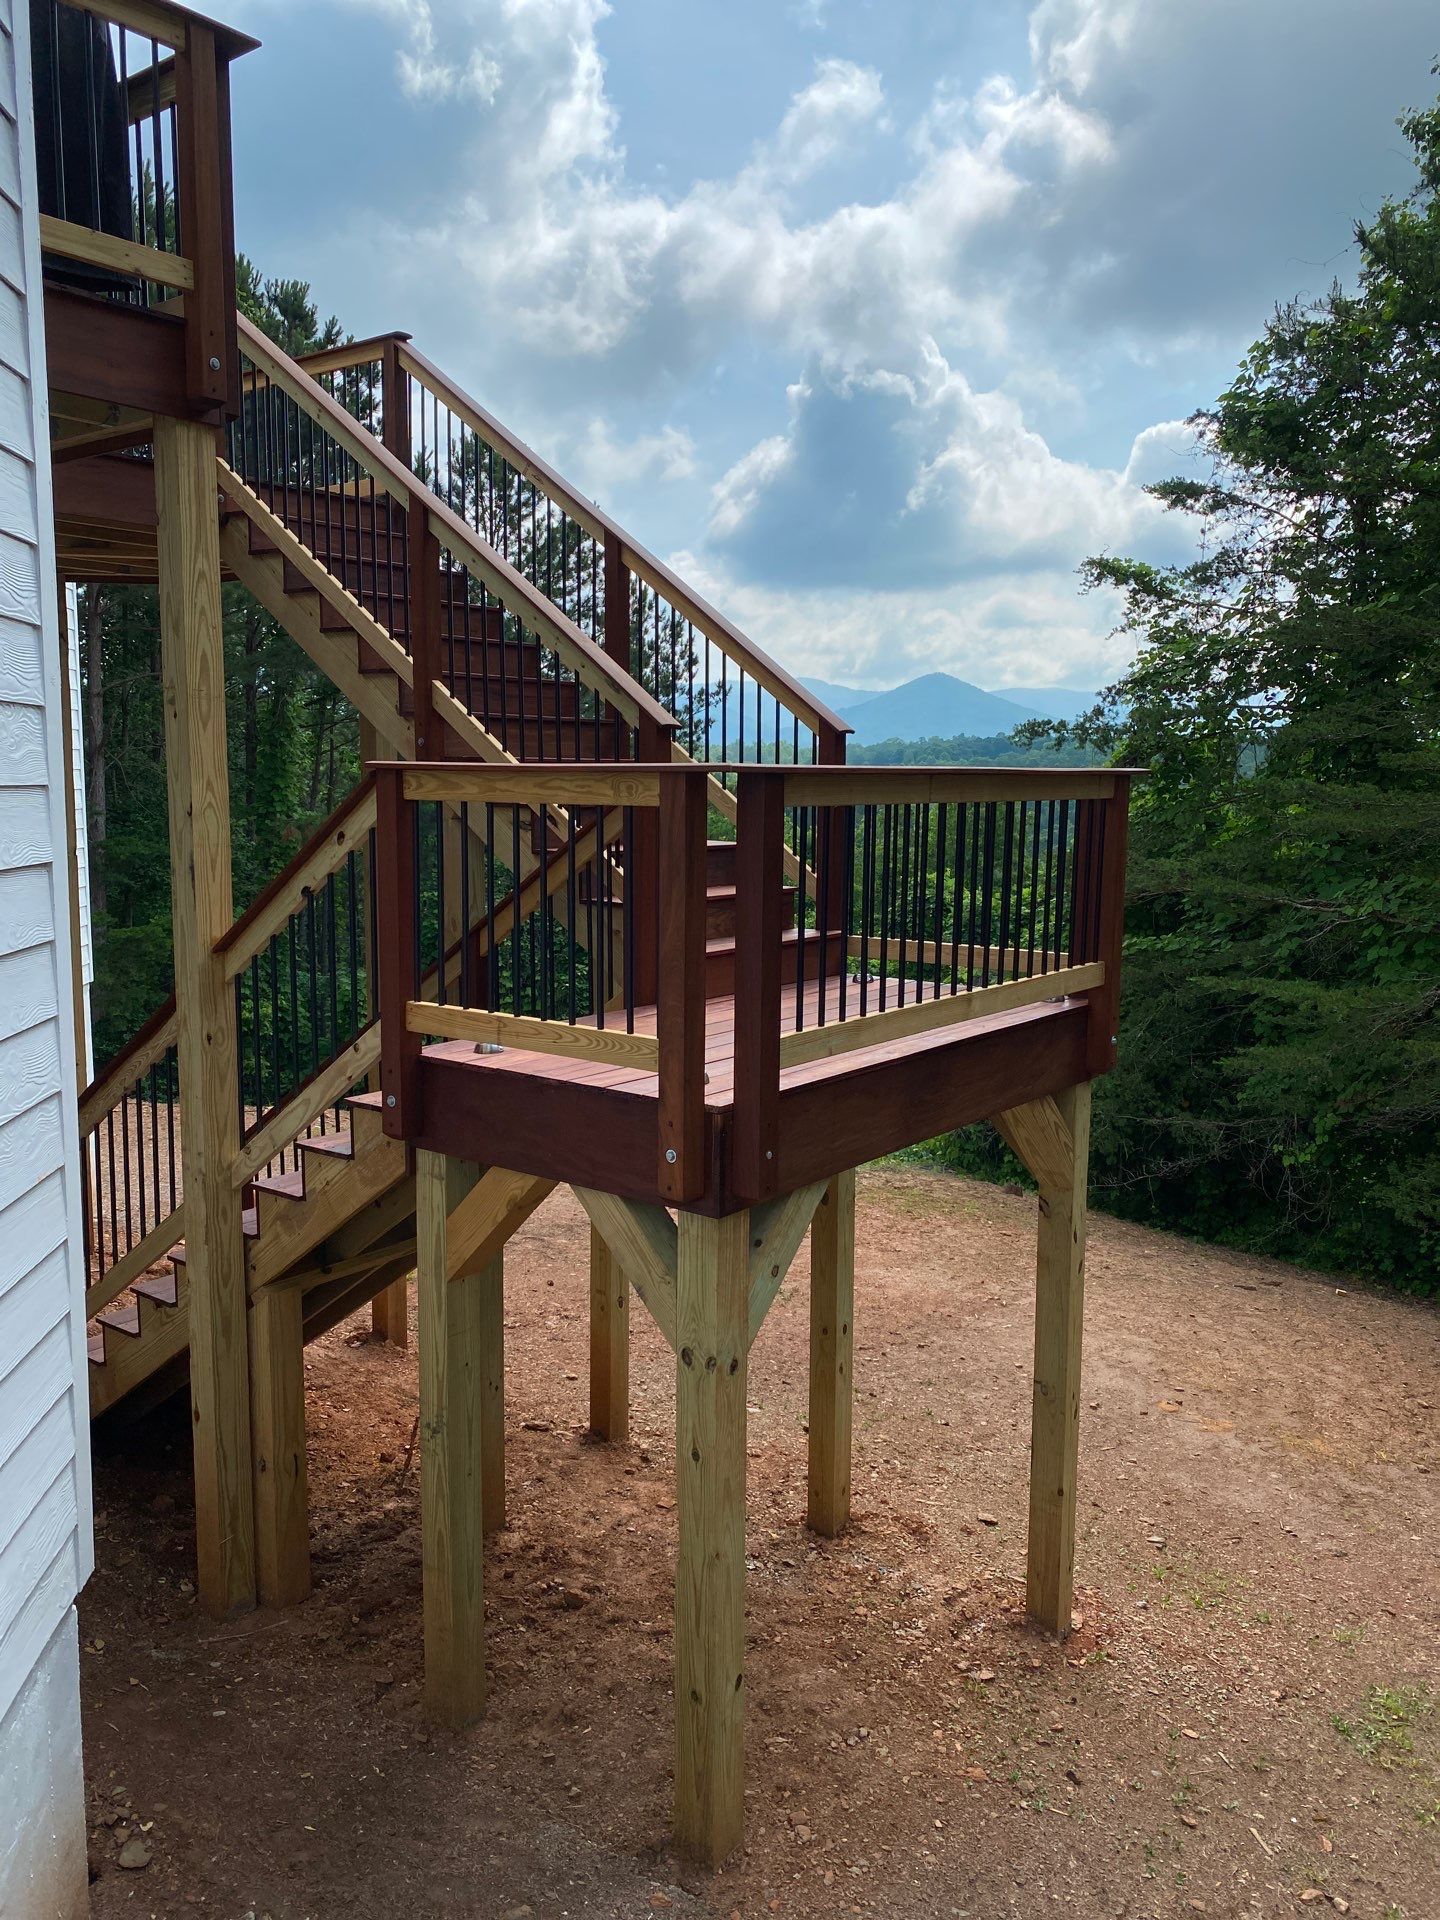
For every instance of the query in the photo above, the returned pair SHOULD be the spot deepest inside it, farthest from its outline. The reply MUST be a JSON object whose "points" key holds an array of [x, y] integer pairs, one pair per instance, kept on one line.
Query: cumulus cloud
{"points": [[605, 460], [1120, 209]]}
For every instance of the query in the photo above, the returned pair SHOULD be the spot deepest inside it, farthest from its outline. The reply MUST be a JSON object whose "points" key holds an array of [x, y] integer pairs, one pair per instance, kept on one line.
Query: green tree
{"points": [[1280, 1074]]}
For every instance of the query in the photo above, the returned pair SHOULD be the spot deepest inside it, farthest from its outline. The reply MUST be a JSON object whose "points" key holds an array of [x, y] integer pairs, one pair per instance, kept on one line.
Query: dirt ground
{"points": [[1247, 1721]]}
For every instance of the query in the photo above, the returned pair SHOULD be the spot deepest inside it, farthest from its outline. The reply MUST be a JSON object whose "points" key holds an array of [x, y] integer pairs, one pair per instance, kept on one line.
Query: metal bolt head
{"points": [[389, 1099], [669, 1156], [768, 1154], [214, 364]]}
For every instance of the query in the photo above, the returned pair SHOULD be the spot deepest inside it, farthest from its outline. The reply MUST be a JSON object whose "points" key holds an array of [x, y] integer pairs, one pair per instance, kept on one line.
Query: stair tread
{"points": [[163, 1289], [124, 1318], [341, 1145], [370, 1100], [291, 1185]]}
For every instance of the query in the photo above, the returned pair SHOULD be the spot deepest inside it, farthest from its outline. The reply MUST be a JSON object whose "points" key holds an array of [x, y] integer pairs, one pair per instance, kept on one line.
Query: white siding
{"points": [[45, 1541]]}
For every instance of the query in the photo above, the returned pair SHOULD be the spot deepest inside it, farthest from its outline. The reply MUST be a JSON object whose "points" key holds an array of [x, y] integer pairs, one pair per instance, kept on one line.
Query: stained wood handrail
{"points": [[349, 353], [167, 23], [541, 615], [119, 1073], [767, 673]]}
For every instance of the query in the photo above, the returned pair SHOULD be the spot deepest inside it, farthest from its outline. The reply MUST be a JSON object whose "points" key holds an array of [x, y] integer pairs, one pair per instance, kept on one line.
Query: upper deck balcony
{"points": [[132, 136], [878, 956]]}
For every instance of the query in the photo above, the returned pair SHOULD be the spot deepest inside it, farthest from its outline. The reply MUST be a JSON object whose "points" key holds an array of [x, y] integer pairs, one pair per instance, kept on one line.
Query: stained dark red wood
{"points": [[201, 193], [394, 402], [400, 1085], [424, 622], [124, 356], [643, 875], [680, 1014], [908, 1092], [759, 906], [1109, 928], [617, 601]]}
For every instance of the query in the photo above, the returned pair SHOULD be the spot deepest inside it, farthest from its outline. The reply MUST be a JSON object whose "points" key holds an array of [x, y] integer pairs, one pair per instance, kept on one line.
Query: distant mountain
{"points": [[938, 705], [935, 704], [1051, 703], [836, 697]]}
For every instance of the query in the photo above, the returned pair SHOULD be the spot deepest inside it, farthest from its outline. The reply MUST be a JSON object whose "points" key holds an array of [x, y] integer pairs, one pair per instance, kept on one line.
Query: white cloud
{"points": [[738, 490], [603, 461], [841, 97], [1131, 200]]}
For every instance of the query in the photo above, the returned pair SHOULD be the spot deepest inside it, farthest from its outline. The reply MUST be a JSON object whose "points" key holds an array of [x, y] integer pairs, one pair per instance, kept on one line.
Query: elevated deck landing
{"points": [[596, 1123]]}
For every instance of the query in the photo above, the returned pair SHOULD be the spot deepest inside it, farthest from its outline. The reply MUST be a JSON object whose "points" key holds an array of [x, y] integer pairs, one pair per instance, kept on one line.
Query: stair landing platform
{"points": [[596, 1123]]}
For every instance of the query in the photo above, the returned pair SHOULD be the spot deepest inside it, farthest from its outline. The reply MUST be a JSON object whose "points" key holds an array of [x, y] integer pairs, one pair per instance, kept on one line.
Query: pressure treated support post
{"points": [[609, 1343], [832, 1306], [711, 1345], [452, 1376], [1059, 1158], [489, 1282], [277, 1415], [193, 666]]}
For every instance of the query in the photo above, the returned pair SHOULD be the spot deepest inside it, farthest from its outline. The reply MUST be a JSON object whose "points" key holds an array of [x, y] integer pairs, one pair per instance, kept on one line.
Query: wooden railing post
{"points": [[1106, 925], [616, 640], [760, 838], [830, 847], [206, 211], [680, 1014], [394, 401], [424, 612], [399, 973], [643, 872]]}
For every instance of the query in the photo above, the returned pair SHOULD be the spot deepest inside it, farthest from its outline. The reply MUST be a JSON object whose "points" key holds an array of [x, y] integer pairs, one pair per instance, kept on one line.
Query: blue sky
{"points": [[873, 315]]}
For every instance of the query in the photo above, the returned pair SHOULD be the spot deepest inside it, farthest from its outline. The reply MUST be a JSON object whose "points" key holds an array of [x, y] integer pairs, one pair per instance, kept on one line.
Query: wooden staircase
{"points": [[451, 652], [335, 1226]]}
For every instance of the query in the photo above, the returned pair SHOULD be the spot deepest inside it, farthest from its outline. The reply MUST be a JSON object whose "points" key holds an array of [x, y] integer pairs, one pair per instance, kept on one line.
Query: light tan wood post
{"points": [[490, 1284], [832, 1307], [712, 1342], [609, 1343], [193, 662], [277, 1418], [1053, 1137], [451, 1468]]}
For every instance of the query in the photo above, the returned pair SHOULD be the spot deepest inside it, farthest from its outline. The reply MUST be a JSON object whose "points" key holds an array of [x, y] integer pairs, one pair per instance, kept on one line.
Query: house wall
{"points": [[45, 1537]]}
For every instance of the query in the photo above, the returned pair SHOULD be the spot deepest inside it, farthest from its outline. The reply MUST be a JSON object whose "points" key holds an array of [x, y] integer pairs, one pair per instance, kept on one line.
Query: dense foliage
{"points": [[1279, 1084], [973, 750]]}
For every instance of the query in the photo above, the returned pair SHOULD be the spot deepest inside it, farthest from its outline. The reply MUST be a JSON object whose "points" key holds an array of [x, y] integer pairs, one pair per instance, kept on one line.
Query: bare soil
{"points": [[1246, 1722]]}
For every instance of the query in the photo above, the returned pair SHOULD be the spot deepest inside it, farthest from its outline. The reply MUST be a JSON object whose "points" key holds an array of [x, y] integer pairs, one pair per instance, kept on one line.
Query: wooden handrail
{"points": [[350, 353], [656, 575], [167, 23], [511, 587], [119, 1074], [879, 786]]}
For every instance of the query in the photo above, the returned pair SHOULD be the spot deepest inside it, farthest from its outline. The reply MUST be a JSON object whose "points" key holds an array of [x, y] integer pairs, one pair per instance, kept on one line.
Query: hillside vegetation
{"points": [[1279, 1079]]}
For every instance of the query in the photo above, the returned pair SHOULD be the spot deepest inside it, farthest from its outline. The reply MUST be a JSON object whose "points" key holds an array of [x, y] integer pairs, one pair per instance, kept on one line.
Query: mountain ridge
{"points": [[941, 704]]}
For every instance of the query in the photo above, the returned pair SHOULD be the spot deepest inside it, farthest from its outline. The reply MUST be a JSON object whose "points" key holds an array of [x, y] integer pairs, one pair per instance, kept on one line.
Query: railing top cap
{"points": [[230, 40], [519, 771]]}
